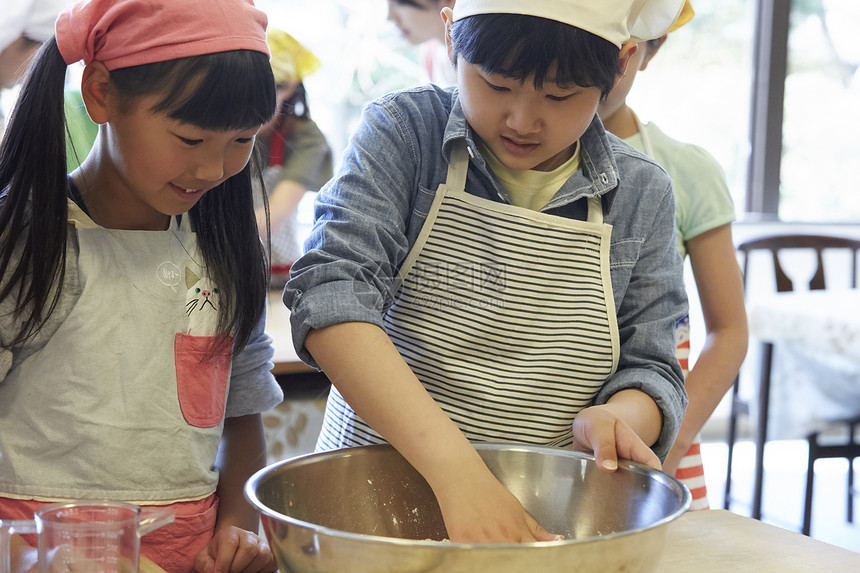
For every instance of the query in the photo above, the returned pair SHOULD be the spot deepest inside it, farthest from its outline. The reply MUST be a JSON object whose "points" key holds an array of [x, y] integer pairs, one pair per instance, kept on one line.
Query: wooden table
{"points": [[718, 541], [278, 327]]}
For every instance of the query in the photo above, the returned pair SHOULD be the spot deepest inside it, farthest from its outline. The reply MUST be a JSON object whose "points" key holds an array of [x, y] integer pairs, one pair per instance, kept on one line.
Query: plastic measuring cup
{"points": [[91, 536]]}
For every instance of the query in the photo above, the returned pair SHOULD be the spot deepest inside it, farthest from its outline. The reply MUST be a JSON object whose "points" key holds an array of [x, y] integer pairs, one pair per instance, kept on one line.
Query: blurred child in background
{"points": [[420, 23], [24, 25], [703, 215], [297, 157]]}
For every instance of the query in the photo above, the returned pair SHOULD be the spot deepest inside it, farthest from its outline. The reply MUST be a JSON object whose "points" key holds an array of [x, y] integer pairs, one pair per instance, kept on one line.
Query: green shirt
{"points": [[82, 131]]}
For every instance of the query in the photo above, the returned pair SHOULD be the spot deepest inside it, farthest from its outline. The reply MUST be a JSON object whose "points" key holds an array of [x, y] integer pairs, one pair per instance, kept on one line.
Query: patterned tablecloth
{"points": [[816, 338]]}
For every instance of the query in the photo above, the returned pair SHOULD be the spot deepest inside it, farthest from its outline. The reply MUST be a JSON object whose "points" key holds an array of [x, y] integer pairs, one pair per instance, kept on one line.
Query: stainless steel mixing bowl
{"points": [[366, 510]]}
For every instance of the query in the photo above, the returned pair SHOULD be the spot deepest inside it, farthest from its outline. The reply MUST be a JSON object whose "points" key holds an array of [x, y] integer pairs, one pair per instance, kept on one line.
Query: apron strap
{"points": [[458, 167], [595, 210]]}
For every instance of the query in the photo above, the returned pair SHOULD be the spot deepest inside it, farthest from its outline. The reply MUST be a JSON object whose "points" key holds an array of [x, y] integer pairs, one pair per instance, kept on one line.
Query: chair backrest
{"points": [[818, 243]]}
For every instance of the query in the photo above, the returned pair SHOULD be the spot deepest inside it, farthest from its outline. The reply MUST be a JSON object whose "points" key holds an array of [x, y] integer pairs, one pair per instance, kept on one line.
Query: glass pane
{"points": [[697, 87], [822, 90]]}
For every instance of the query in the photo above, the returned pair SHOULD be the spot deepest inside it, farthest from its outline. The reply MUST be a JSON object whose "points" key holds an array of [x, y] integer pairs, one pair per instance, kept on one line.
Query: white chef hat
{"points": [[32, 18], [613, 20]]}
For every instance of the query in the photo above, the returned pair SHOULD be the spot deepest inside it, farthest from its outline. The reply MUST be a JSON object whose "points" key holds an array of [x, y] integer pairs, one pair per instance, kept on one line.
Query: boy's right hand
{"points": [[371, 375], [477, 508]]}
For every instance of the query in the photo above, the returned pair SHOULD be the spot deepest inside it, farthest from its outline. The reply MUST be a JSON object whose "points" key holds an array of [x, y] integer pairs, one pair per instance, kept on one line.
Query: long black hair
{"points": [[230, 90], [520, 47]]}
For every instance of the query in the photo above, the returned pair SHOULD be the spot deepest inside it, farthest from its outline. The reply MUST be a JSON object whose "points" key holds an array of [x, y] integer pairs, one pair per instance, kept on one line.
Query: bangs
{"points": [[216, 92], [523, 47]]}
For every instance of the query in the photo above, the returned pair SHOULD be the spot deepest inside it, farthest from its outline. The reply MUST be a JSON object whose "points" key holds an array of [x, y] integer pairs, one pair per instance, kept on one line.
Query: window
{"points": [[820, 146], [697, 86]]}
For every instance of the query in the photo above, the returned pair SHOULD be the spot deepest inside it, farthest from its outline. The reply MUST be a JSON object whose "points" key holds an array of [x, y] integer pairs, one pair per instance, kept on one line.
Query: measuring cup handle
{"points": [[151, 518], [7, 529]]}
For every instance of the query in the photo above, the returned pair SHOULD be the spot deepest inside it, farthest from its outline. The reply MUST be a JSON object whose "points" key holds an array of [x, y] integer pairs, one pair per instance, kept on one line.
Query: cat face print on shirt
{"points": [[202, 302]]}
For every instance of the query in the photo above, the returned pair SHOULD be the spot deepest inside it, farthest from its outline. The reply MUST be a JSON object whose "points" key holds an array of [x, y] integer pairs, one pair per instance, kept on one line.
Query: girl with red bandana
{"points": [[133, 360]]}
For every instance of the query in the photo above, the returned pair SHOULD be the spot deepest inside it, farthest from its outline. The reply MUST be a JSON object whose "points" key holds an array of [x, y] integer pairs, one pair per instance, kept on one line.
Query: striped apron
{"points": [[504, 314]]}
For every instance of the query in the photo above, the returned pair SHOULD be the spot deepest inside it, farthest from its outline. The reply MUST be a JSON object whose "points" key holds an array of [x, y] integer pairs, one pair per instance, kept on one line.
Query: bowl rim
{"points": [[627, 465]]}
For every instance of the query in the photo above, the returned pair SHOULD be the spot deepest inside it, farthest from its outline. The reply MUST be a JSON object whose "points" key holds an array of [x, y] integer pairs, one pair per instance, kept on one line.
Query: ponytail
{"points": [[33, 190]]}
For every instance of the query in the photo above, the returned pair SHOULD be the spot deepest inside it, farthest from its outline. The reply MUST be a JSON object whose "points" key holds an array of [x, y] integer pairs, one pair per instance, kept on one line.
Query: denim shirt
{"points": [[367, 219]]}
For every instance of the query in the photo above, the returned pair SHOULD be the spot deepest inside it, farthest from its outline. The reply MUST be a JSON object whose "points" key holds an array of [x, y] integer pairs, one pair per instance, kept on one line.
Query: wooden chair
{"points": [[849, 450], [739, 407]]}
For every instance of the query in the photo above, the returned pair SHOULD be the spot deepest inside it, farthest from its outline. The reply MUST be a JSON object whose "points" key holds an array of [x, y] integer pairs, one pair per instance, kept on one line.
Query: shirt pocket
{"points": [[201, 380], [623, 256], [423, 201]]}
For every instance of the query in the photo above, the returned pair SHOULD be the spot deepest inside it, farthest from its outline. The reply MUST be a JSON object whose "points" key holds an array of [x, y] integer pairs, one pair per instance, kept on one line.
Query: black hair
{"points": [[216, 92], [520, 47], [297, 104], [292, 113], [222, 91]]}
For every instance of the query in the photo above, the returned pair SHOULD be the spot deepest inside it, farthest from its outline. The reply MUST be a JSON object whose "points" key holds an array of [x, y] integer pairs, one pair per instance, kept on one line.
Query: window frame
{"points": [[770, 62]]}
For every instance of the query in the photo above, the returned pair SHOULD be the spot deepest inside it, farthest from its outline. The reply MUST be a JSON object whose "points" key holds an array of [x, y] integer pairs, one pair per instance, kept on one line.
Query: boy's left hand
{"points": [[600, 430], [235, 550]]}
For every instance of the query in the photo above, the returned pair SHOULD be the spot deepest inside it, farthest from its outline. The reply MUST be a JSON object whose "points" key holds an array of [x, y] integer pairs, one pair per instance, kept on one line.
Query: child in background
{"points": [[24, 25], [420, 23], [295, 150], [82, 131], [489, 264], [23, 28], [703, 215], [133, 359]]}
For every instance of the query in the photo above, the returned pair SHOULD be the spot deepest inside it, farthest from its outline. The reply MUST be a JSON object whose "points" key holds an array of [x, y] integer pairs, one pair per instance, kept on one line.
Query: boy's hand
{"points": [[235, 550], [478, 509], [599, 430]]}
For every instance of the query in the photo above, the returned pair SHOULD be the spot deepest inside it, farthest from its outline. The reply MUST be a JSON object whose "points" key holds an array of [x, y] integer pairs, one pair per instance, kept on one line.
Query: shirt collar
{"points": [[457, 128], [597, 157]]}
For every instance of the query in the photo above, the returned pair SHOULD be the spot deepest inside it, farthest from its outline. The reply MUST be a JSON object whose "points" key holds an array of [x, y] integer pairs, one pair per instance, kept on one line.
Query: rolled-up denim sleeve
{"points": [[653, 301], [359, 233]]}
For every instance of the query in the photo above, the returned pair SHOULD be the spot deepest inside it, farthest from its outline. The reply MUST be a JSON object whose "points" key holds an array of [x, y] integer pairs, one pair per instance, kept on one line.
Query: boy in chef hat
{"points": [[490, 265]]}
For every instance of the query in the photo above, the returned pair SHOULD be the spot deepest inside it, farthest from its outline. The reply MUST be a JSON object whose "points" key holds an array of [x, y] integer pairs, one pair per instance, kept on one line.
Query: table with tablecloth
{"points": [[816, 366]]}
